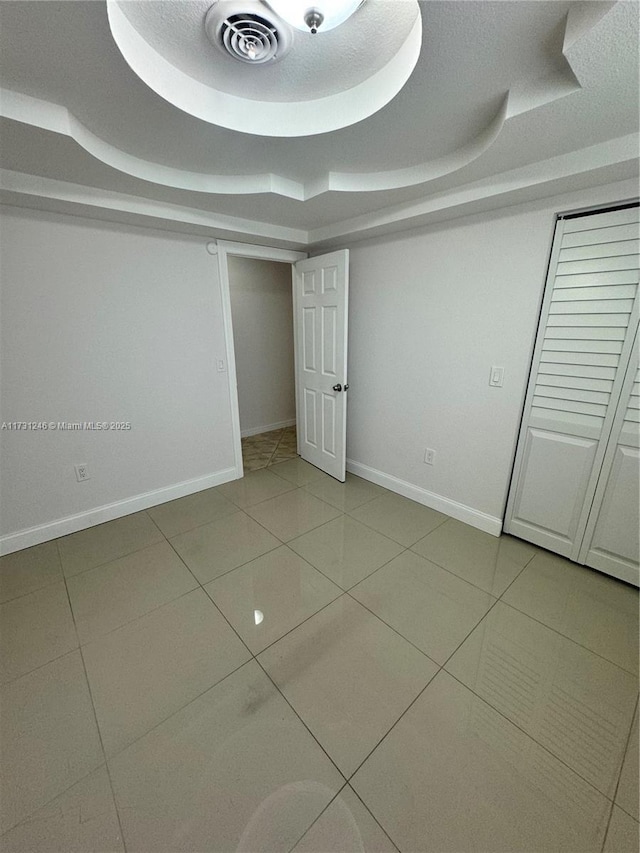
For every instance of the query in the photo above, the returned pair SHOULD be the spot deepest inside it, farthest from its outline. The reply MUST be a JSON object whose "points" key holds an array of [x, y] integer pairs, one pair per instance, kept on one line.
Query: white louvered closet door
{"points": [[611, 541], [585, 341]]}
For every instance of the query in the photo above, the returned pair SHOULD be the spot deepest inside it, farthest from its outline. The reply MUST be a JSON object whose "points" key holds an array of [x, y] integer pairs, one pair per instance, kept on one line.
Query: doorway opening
{"points": [[257, 305], [319, 288], [262, 316]]}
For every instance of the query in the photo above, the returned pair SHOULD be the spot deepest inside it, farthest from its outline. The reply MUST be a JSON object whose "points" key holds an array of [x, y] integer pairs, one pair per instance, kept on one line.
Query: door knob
{"points": [[337, 387]]}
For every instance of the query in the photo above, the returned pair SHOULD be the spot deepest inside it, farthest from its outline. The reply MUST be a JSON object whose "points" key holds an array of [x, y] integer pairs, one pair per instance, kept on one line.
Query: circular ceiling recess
{"points": [[236, 64]]}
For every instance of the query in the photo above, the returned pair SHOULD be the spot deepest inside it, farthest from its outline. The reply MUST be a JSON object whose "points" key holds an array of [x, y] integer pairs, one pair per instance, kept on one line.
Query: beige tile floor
{"points": [[286, 663], [269, 448]]}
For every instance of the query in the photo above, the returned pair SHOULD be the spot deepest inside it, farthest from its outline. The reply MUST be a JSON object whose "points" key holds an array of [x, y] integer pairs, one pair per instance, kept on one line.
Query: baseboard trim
{"points": [[245, 433], [461, 512], [72, 523]]}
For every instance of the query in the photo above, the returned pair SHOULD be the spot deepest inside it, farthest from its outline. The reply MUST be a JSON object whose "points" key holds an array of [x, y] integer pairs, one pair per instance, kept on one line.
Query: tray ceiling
{"points": [[497, 88]]}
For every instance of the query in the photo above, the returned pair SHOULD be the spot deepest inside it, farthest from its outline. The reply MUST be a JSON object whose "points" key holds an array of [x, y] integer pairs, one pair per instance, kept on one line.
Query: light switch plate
{"points": [[496, 377]]}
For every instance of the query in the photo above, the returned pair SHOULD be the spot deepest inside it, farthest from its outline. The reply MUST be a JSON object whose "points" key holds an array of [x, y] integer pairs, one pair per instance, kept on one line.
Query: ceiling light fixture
{"points": [[318, 16]]}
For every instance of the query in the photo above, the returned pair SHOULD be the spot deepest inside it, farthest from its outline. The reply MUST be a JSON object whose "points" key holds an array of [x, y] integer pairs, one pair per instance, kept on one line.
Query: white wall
{"points": [[430, 312], [109, 323], [262, 311]]}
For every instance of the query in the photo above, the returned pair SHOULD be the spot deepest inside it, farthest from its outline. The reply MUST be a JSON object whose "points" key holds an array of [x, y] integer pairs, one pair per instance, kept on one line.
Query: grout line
{"points": [[95, 719], [392, 727], [98, 637], [406, 547], [530, 736], [29, 818], [233, 511], [341, 774], [351, 788], [32, 591], [567, 637], [295, 627], [110, 758], [113, 560], [39, 667], [615, 793], [313, 822]]}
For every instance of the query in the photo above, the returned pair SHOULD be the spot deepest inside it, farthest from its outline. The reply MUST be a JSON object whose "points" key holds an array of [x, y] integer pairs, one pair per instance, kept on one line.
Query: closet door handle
{"points": [[337, 387]]}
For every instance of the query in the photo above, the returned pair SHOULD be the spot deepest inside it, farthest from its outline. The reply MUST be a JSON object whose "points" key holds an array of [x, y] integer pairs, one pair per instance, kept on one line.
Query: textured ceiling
{"points": [[498, 87]]}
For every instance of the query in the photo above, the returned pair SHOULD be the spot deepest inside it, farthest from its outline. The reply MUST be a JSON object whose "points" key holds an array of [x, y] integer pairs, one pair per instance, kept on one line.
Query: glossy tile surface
{"points": [[209, 752], [399, 518], [292, 514], [48, 736], [623, 834], [186, 513], [105, 542], [349, 677], [28, 570], [490, 562], [345, 827], [109, 596], [149, 669], [35, 629], [429, 606], [345, 550], [575, 703], [594, 610], [254, 487], [628, 790], [214, 549], [345, 496], [454, 775], [82, 819], [267, 597], [233, 771], [298, 472]]}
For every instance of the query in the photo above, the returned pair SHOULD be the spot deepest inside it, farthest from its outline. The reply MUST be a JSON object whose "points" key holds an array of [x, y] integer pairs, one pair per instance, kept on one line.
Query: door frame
{"points": [[223, 249]]}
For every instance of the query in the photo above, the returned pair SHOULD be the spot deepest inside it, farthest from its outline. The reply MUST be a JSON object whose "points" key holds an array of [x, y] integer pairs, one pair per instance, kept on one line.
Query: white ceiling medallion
{"points": [[305, 84]]}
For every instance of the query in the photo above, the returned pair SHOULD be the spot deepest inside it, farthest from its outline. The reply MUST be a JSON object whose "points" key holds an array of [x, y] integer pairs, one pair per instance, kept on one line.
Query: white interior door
{"points": [[320, 303]]}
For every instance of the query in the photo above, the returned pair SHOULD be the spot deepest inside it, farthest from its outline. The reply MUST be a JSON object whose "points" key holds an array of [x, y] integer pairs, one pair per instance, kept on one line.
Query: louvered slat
{"points": [[590, 333], [596, 291], [618, 319], [585, 371], [543, 390], [600, 235], [608, 219], [575, 382], [576, 407], [593, 306], [600, 250], [584, 358], [558, 344], [596, 265], [593, 279]]}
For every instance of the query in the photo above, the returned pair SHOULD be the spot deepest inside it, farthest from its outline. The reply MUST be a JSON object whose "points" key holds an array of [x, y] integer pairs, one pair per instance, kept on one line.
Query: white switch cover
{"points": [[496, 378], [220, 365]]}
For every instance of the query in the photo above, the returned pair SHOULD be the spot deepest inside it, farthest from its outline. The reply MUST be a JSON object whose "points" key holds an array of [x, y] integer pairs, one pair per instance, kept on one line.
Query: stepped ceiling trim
{"points": [[524, 97], [611, 161]]}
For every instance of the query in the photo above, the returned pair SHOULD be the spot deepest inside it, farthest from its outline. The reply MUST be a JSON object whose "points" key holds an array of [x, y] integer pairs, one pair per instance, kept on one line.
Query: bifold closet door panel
{"points": [[582, 350], [612, 537]]}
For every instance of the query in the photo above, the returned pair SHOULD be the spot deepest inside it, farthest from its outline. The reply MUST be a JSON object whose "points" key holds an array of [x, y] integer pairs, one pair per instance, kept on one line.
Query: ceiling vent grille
{"points": [[245, 31]]}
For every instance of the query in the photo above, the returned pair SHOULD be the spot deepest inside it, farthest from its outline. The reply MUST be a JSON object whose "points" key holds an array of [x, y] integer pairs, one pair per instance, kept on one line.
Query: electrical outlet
{"points": [[429, 456], [82, 473]]}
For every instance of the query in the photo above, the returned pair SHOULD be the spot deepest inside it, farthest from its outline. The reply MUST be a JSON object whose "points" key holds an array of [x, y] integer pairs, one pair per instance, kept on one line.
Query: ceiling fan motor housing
{"points": [[248, 31]]}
